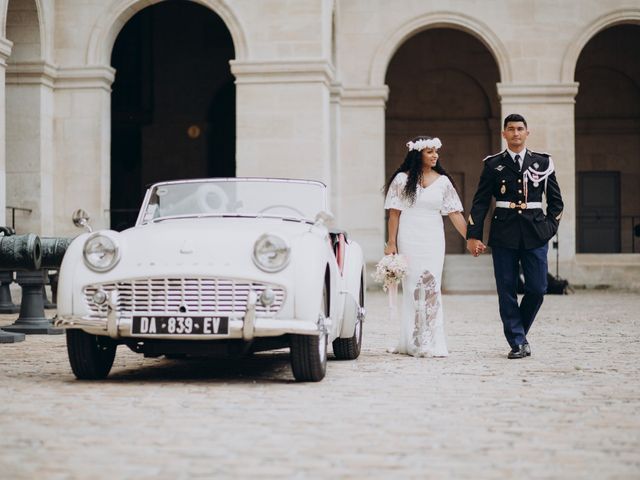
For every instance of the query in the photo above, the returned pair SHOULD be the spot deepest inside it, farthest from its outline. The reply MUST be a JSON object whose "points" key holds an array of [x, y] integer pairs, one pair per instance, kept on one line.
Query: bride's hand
{"points": [[390, 249]]}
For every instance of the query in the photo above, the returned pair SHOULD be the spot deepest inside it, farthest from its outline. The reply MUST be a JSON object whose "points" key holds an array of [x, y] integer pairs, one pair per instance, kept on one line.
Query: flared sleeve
{"points": [[395, 199], [450, 200]]}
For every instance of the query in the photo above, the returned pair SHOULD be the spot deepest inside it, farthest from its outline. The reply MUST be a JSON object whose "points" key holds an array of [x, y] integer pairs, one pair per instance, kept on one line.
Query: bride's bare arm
{"points": [[394, 220], [459, 222]]}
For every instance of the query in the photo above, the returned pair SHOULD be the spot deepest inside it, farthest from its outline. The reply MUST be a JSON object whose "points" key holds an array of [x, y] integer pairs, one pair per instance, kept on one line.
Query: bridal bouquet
{"points": [[390, 270]]}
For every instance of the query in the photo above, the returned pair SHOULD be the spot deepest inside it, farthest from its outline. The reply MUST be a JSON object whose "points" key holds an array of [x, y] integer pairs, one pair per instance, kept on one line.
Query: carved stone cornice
{"points": [[517, 93], [85, 77], [5, 50], [282, 71], [31, 73], [364, 96]]}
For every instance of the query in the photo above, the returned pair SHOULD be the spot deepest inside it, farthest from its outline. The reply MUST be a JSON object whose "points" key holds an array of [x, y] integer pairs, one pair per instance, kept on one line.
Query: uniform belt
{"points": [[522, 206]]}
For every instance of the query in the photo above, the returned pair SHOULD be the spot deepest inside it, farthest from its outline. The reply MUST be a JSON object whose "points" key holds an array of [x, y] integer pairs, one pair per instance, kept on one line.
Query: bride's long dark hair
{"points": [[412, 166]]}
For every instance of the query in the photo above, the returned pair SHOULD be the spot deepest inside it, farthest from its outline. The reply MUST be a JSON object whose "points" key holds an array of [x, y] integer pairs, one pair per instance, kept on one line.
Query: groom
{"points": [[520, 230]]}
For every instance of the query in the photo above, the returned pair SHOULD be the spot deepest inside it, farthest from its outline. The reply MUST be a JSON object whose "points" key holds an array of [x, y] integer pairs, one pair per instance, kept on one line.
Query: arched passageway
{"points": [[442, 82], [608, 142], [173, 102], [28, 116]]}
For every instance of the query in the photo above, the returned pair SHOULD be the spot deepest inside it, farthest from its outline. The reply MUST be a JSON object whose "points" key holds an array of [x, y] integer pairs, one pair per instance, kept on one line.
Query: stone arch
{"points": [[482, 32], [570, 59], [35, 21], [106, 29]]}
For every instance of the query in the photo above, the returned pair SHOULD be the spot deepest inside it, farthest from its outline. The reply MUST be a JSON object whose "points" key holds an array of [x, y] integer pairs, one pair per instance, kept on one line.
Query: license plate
{"points": [[180, 325]]}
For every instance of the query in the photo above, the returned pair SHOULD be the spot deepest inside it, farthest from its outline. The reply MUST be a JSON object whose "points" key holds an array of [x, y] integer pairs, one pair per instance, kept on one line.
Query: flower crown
{"points": [[420, 145]]}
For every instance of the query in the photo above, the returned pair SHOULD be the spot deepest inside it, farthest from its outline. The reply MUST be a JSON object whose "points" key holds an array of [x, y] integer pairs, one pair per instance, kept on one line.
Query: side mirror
{"points": [[323, 218], [81, 219]]}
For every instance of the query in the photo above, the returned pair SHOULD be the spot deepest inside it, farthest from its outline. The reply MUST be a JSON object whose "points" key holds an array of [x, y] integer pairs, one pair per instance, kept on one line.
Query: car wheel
{"points": [[90, 356], [349, 348], [309, 352]]}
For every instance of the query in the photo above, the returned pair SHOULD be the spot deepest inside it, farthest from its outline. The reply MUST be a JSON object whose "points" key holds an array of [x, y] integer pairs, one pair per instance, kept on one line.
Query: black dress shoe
{"points": [[517, 352], [527, 350]]}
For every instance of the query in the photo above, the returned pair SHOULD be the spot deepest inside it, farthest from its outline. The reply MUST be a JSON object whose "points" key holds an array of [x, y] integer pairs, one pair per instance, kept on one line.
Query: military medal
{"points": [[503, 189]]}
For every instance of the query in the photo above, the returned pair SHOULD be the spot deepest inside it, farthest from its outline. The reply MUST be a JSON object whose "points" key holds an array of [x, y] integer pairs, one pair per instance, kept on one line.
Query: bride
{"points": [[417, 195]]}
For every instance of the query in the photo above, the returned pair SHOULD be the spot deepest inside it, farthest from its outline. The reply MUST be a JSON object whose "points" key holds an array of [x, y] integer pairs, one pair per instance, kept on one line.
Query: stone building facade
{"points": [[100, 97]]}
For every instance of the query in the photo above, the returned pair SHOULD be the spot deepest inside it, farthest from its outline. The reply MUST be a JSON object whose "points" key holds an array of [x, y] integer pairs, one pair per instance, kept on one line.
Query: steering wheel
{"points": [[289, 207]]}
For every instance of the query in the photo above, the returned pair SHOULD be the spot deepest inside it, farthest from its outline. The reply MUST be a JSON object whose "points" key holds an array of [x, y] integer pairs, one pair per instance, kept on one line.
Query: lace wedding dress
{"points": [[421, 241]]}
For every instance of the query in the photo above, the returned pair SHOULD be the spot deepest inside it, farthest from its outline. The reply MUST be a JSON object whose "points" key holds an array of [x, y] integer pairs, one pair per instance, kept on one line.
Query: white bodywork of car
{"points": [[216, 248]]}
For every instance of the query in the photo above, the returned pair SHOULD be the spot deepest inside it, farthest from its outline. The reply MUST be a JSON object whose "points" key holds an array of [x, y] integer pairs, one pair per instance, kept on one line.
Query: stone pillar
{"points": [[549, 110], [29, 143], [361, 168], [5, 51], [283, 118], [82, 140]]}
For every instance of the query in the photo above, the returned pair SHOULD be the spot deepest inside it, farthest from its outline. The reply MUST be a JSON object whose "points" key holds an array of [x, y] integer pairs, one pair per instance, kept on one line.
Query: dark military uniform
{"points": [[520, 231]]}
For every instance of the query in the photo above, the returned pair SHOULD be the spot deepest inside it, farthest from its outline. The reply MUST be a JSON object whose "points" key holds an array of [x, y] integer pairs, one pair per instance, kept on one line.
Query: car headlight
{"points": [[271, 253], [101, 252]]}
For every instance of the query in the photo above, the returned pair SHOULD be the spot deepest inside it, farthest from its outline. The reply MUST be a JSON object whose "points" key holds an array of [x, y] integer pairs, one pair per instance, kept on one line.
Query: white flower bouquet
{"points": [[390, 270]]}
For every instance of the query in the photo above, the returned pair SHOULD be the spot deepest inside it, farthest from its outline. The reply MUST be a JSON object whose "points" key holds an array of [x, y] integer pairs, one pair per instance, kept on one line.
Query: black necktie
{"points": [[517, 159]]}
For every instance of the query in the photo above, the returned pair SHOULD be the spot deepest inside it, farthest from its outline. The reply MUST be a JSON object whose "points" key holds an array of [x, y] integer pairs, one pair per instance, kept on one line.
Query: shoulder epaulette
{"points": [[493, 155], [544, 154]]}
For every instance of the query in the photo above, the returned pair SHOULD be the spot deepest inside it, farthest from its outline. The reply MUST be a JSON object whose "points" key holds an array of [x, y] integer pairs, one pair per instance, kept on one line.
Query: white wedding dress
{"points": [[421, 241]]}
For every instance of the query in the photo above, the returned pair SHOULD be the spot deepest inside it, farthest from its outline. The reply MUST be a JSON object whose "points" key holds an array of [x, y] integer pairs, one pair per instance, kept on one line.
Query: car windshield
{"points": [[299, 199]]}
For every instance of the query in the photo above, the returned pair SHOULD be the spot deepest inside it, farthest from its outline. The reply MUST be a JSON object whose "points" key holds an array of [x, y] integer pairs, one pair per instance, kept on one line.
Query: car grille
{"points": [[210, 296]]}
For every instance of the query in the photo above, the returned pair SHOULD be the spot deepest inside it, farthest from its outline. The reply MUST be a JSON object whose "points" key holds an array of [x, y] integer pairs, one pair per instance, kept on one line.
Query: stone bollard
{"points": [[6, 303], [27, 255]]}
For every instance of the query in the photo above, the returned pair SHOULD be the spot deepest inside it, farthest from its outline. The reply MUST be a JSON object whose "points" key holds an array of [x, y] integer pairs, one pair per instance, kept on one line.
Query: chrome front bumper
{"points": [[246, 327]]}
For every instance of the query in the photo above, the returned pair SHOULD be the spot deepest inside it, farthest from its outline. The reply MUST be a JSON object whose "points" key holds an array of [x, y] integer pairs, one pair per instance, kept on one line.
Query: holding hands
{"points": [[475, 246]]}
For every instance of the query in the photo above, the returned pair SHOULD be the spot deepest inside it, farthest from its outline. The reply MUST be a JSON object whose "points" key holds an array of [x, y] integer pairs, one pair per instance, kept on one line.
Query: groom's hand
{"points": [[475, 246]]}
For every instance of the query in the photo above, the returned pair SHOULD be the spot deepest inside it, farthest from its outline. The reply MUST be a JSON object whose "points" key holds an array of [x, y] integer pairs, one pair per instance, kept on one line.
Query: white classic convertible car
{"points": [[225, 266]]}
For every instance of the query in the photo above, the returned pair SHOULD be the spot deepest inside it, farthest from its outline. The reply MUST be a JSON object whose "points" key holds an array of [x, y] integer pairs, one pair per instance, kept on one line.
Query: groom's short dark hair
{"points": [[514, 117]]}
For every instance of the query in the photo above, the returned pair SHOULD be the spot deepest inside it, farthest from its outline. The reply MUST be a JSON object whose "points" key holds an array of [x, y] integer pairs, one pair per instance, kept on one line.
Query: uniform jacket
{"points": [[516, 227]]}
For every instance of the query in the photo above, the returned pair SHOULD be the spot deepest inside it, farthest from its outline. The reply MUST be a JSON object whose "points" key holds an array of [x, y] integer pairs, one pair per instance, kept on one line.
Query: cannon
{"points": [[20, 252], [17, 252], [53, 250], [32, 319]]}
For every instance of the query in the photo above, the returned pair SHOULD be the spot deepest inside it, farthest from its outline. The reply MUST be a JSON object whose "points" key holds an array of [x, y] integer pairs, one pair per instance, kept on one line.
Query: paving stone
{"points": [[572, 410]]}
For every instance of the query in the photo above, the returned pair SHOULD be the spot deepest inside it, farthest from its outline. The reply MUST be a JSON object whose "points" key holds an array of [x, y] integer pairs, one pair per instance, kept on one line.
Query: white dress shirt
{"points": [[522, 154]]}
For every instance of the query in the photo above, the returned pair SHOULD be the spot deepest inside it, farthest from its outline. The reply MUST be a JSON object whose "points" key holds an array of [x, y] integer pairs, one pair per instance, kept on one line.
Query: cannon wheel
{"points": [[309, 352], [349, 348], [90, 356]]}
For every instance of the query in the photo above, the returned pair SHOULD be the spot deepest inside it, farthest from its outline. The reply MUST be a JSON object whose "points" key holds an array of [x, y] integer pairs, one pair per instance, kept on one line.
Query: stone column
{"points": [[283, 118], [5, 51], [82, 141], [549, 110], [361, 168], [29, 141]]}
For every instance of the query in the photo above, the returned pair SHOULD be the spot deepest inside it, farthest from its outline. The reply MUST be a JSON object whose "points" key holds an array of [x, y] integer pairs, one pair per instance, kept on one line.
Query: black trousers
{"points": [[517, 319]]}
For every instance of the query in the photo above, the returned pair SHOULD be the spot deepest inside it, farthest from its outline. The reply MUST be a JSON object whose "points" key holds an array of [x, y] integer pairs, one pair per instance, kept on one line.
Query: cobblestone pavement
{"points": [[572, 410]]}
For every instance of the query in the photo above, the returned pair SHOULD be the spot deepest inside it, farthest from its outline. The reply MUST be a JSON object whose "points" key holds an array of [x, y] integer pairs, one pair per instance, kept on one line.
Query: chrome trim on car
{"points": [[177, 295], [262, 327]]}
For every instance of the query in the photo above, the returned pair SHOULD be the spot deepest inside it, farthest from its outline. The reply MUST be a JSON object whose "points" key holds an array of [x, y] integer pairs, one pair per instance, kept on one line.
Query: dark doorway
{"points": [[608, 141], [599, 207], [442, 83], [173, 102]]}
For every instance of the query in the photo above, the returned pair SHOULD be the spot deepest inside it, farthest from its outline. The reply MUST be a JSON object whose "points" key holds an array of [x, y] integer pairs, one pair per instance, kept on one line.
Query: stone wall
{"points": [[312, 90]]}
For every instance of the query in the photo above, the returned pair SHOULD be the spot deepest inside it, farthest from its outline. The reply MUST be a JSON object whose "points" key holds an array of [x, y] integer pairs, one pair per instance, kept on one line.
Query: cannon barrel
{"points": [[53, 250], [20, 252]]}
